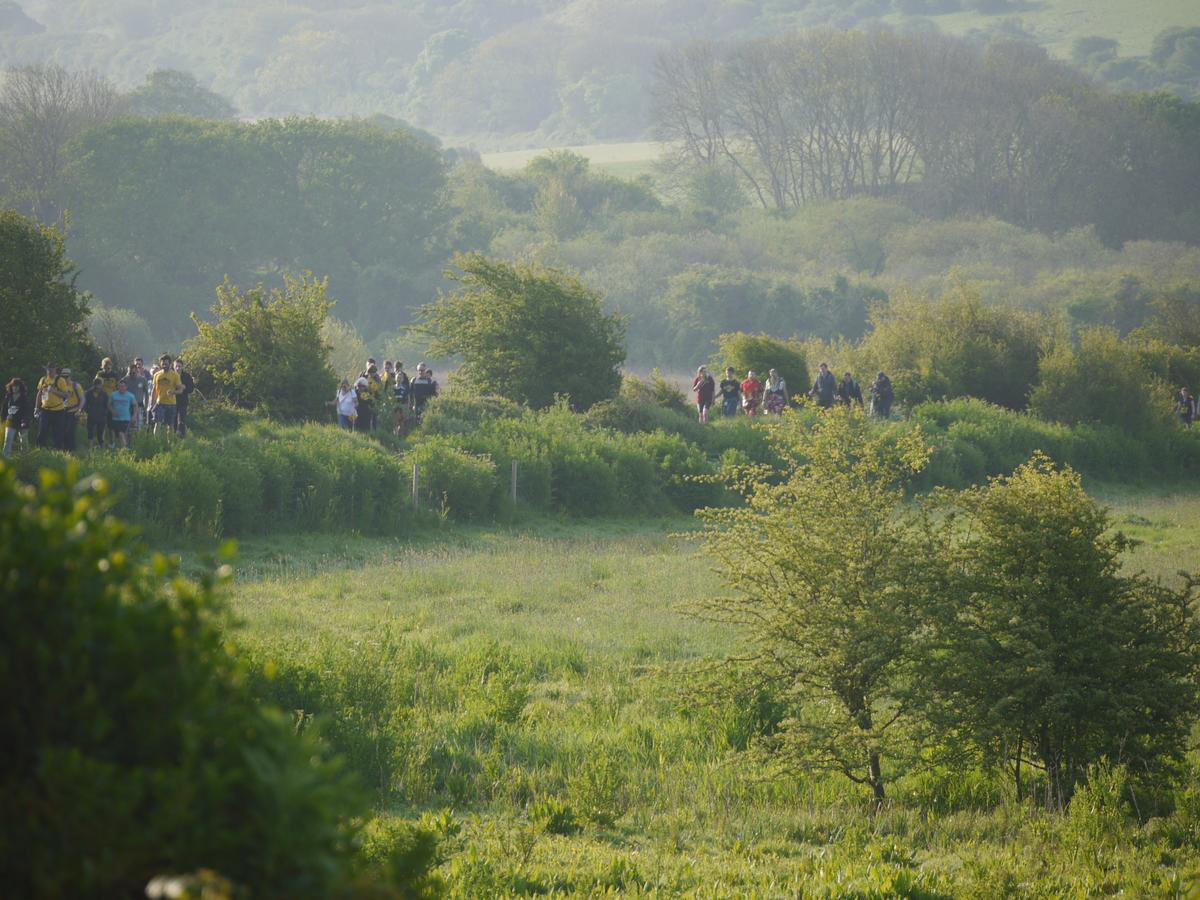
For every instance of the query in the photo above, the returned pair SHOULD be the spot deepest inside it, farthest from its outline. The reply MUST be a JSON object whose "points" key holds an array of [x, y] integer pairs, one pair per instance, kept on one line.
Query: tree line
{"points": [[951, 127]]}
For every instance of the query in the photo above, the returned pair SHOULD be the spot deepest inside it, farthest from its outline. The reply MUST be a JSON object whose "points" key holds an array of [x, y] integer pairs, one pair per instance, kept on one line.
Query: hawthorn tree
{"points": [[826, 592]]}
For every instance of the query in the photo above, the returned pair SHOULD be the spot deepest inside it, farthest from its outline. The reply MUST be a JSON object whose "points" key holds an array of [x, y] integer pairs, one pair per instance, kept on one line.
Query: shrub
{"points": [[762, 353], [131, 748], [453, 478]]}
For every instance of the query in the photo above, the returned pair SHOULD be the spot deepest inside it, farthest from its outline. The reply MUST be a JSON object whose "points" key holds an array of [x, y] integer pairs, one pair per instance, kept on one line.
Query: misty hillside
{"points": [[503, 71]]}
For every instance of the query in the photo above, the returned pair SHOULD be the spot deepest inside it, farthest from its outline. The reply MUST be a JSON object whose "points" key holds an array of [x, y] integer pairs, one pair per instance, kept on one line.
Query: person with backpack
{"points": [[49, 408], [824, 387], [136, 383], [422, 389], [74, 410], [881, 396], [17, 416], [775, 394], [849, 391]]}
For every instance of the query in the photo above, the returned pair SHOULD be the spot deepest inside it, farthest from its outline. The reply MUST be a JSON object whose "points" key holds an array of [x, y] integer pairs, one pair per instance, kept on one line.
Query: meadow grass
{"points": [[529, 679]]}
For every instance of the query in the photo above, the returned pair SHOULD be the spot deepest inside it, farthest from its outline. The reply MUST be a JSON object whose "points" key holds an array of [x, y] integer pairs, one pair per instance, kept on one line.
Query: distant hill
{"points": [[508, 73]]}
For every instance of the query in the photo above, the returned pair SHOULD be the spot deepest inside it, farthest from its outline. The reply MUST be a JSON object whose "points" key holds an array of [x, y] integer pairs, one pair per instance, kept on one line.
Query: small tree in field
{"points": [[527, 333], [267, 350], [1044, 650], [824, 592], [762, 353]]}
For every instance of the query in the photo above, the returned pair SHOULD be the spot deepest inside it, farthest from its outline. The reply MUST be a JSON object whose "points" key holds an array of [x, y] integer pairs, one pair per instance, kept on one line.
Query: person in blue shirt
{"points": [[122, 405]]}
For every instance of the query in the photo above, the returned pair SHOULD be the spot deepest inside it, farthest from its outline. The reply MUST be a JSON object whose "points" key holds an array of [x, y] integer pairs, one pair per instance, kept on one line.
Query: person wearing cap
{"points": [[167, 388], [74, 410], [49, 406], [122, 406]]}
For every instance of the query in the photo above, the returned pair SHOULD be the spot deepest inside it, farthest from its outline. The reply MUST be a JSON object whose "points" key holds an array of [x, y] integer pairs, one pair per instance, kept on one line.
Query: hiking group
{"points": [[770, 396], [361, 405], [113, 406]]}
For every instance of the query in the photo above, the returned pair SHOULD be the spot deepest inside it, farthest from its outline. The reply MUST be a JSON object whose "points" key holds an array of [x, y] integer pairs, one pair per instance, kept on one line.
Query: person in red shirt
{"points": [[751, 394]]}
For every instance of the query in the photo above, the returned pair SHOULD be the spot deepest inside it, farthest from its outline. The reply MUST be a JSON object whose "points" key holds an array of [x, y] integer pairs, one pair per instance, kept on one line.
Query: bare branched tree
{"points": [[41, 108]]}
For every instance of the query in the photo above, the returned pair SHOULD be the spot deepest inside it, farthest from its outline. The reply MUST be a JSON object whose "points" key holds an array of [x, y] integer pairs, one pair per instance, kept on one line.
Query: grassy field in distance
{"points": [[540, 665], [626, 160]]}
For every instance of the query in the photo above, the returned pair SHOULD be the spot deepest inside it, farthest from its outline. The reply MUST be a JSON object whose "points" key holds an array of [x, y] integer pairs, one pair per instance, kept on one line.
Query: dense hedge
{"points": [[238, 475]]}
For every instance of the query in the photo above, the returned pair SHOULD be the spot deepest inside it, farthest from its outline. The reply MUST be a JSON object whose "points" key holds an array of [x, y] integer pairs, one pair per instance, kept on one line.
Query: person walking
{"points": [[848, 390], [705, 389], [183, 397], [1186, 407], [346, 404], [167, 388], [122, 407], [136, 384], [95, 406], [731, 391], [73, 408], [775, 395], [882, 396], [49, 408], [824, 387], [751, 393], [18, 416]]}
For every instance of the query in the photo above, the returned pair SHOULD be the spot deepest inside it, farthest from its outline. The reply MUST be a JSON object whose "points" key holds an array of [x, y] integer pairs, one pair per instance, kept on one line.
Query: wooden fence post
{"points": [[514, 481], [416, 488]]}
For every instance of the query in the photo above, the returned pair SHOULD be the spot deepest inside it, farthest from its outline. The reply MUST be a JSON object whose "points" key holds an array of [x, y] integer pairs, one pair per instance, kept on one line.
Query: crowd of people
{"points": [[769, 396], [390, 396], [111, 408]]}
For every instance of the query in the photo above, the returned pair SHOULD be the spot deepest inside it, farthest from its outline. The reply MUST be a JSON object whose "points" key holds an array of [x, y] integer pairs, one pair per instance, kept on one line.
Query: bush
{"points": [[131, 748], [453, 479], [762, 353]]}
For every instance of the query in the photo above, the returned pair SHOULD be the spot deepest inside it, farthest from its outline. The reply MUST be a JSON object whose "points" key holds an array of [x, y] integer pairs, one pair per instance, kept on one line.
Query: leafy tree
{"points": [[130, 745], [821, 570], [955, 346], [1102, 381], [266, 349], [169, 92], [1044, 649], [120, 333], [762, 353], [42, 316], [527, 333]]}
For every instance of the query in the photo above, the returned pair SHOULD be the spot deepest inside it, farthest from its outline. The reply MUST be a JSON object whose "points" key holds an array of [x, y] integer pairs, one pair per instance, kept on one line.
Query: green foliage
{"points": [[268, 350], [1102, 381], [823, 591], [127, 719], [762, 353], [42, 316], [528, 333], [955, 346], [453, 480], [170, 92], [1043, 647]]}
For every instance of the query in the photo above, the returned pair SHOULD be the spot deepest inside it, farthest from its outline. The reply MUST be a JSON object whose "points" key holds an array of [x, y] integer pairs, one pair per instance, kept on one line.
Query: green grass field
{"points": [[530, 680]]}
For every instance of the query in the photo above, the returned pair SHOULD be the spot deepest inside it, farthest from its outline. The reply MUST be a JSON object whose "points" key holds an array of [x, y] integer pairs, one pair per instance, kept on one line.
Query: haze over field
{"points": [[516, 73]]}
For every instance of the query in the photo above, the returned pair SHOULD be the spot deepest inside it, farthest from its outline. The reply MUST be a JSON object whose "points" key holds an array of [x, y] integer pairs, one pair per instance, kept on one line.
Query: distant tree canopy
{"points": [[169, 92], [951, 127], [164, 209], [528, 333], [42, 317]]}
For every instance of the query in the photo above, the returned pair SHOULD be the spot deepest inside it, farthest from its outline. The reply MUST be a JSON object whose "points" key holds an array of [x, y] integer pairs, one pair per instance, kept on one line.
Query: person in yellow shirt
{"points": [[50, 407], [167, 386]]}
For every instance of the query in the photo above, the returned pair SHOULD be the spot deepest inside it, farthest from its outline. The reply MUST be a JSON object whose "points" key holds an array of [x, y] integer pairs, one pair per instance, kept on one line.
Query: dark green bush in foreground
{"points": [[130, 747]]}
